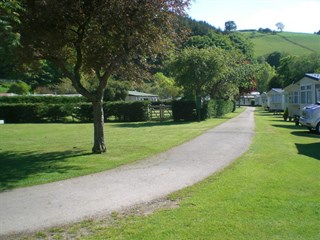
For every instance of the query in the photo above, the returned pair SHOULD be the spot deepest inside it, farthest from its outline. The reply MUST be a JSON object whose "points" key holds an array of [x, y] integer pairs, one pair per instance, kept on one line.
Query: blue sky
{"points": [[296, 15]]}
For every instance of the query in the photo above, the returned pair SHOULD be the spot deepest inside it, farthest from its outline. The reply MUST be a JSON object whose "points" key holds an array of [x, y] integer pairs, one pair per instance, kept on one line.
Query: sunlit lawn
{"points": [[271, 192], [39, 153]]}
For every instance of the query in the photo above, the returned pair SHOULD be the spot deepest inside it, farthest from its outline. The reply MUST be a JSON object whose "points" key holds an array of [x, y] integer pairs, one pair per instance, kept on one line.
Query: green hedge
{"points": [[218, 108], [186, 109], [42, 99], [127, 111], [22, 113], [122, 111], [40, 112]]}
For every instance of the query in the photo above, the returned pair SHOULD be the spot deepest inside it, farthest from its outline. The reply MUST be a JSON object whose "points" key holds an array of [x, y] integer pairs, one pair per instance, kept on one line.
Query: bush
{"points": [[184, 110], [40, 112], [127, 111], [218, 108], [42, 99], [57, 112], [22, 113], [286, 114], [20, 88], [83, 112]]}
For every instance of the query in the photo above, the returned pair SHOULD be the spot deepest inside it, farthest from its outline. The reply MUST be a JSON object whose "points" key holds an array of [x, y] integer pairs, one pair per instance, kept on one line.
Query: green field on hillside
{"points": [[291, 43]]}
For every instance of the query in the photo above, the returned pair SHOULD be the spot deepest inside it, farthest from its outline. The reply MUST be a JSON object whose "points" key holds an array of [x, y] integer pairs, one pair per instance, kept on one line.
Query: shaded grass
{"points": [[33, 154]]}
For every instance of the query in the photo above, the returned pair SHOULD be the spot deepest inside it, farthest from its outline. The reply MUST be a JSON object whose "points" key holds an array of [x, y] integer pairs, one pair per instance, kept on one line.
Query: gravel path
{"points": [[33, 208]]}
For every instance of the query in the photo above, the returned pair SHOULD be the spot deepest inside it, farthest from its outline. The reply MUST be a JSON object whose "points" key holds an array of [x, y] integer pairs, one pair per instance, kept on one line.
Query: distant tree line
{"points": [[290, 69]]}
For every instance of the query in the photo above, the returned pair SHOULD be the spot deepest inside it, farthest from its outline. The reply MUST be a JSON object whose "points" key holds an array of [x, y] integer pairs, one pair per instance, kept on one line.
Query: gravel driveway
{"points": [[33, 208]]}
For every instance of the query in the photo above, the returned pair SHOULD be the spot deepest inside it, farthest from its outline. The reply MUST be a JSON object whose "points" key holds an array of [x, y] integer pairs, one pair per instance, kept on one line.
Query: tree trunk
{"points": [[98, 124]]}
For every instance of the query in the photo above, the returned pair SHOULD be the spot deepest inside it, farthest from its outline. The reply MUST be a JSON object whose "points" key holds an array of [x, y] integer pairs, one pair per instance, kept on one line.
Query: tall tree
{"points": [[194, 69], [280, 26], [97, 37], [9, 38], [230, 26]]}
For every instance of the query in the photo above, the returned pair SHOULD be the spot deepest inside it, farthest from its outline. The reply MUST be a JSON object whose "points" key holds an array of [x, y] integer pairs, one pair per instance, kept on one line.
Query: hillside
{"points": [[291, 43]]}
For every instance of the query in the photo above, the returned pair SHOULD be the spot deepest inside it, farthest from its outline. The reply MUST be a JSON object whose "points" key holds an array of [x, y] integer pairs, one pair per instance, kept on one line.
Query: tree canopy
{"points": [[280, 26], [230, 26], [97, 38]]}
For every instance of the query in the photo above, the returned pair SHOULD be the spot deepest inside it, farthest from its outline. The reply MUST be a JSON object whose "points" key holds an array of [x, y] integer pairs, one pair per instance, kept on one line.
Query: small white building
{"points": [[276, 99], [140, 96], [252, 99]]}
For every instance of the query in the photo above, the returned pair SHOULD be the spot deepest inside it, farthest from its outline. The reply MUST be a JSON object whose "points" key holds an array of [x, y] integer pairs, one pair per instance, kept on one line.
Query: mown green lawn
{"points": [[271, 192], [33, 154]]}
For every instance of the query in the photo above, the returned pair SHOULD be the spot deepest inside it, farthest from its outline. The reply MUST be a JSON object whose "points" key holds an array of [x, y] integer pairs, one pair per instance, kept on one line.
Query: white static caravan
{"points": [[292, 102], [252, 99], [276, 100], [140, 96], [309, 89], [303, 93]]}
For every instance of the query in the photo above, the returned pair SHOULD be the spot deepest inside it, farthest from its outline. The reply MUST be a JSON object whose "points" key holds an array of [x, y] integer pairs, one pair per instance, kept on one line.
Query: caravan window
{"points": [[305, 94], [294, 97]]}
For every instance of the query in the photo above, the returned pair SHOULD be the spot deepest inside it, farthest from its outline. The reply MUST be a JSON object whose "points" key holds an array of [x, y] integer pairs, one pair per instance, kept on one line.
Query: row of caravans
{"points": [[295, 96]]}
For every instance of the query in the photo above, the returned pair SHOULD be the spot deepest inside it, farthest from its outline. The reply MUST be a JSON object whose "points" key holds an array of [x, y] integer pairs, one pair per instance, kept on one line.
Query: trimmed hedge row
{"points": [[186, 109], [42, 99], [122, 111], [40, 112], [218, 108]]}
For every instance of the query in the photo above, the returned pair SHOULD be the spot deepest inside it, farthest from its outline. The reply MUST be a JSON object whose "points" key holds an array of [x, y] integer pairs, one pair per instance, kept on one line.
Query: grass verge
{"points": [[33, 154], [271, 192]]}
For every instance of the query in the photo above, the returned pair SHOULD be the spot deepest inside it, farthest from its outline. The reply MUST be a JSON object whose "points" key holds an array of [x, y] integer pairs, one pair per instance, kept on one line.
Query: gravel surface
{"points": [[37, 207]]}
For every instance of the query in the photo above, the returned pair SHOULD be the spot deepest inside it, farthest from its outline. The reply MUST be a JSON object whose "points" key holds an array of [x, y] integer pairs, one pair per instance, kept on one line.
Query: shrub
{"points": [[40, 112], [22, 113], [83, 112], [184, 110], [218, 108], [127, 111], [42, 99], [286, 114], [57, 112], [20, 88]]}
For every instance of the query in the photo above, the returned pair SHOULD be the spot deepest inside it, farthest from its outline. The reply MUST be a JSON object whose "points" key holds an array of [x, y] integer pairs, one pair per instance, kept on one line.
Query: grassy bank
{"points": [[272, 192], [33, 154], [291, 43]]}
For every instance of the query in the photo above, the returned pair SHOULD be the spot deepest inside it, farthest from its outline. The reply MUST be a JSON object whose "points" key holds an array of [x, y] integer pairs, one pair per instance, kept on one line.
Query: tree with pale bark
{"points": [[97, 39]]}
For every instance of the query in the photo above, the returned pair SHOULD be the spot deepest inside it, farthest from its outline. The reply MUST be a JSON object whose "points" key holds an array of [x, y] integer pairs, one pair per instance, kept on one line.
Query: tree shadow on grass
{"points": [[311, 150], [306, 133], [301, 131], [291, 126], [16, 166], [149, 124]]}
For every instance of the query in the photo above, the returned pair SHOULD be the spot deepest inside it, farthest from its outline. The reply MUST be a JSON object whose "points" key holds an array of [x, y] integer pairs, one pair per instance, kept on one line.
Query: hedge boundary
{"points": [[80, 112], [75, 109]]}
